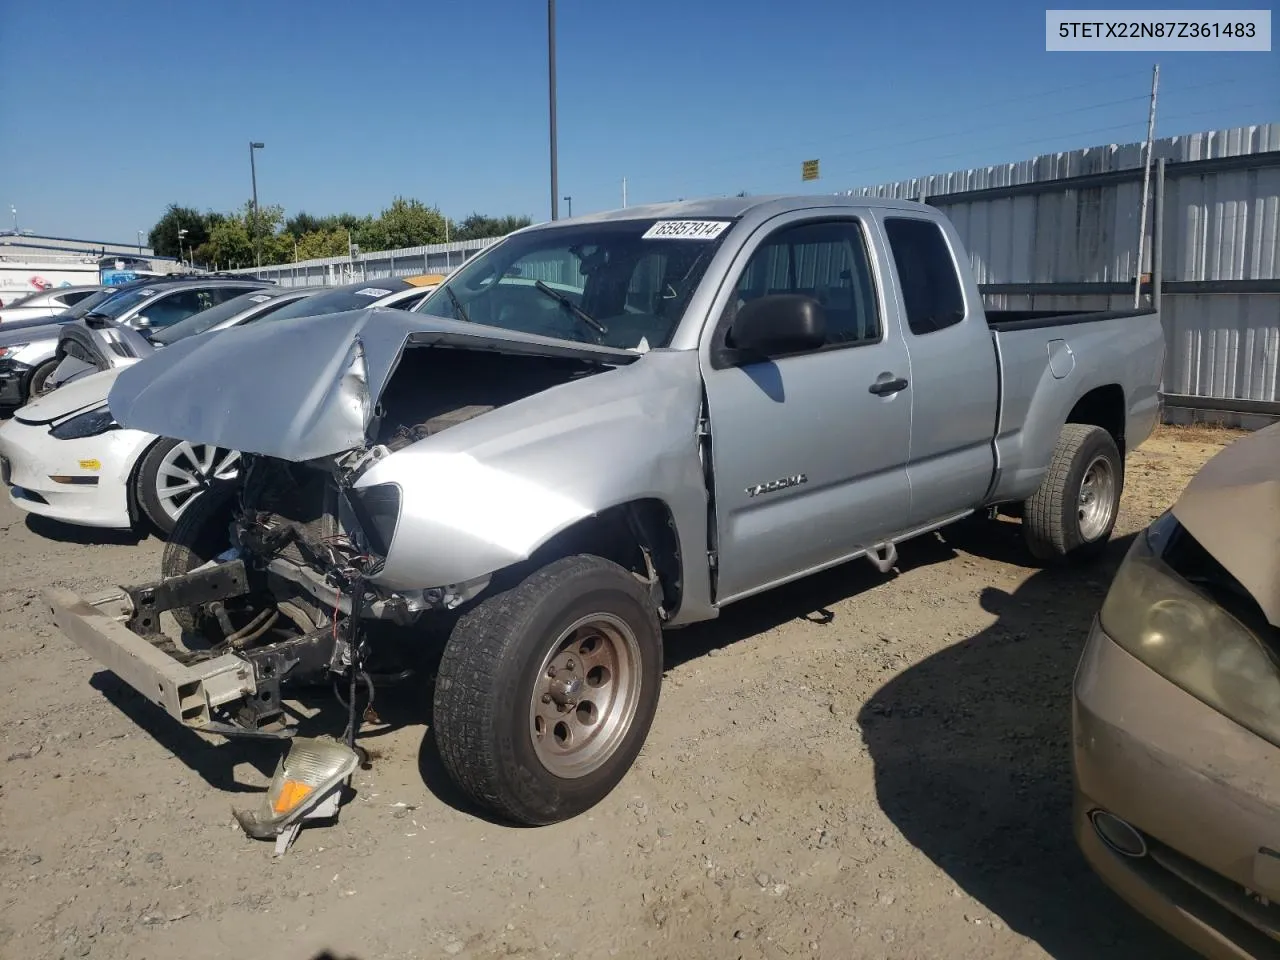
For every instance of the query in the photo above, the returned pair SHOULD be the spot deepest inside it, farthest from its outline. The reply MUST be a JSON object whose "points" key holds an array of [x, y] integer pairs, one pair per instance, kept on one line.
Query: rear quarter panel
{"points": [[1047, 370]]}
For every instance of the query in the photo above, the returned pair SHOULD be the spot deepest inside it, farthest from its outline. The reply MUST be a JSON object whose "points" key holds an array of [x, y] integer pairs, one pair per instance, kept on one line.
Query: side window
{"points": [[71, 299], [269, 310], [926, 274], [827, 261], [177, 306]]}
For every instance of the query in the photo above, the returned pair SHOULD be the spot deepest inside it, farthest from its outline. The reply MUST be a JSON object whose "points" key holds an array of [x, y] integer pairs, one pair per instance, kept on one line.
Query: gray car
{"points": [[594, 431]]}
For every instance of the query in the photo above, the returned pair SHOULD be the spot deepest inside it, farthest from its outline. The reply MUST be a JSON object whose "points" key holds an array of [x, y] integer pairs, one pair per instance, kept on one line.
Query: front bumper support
{"points": [[189, 692]]}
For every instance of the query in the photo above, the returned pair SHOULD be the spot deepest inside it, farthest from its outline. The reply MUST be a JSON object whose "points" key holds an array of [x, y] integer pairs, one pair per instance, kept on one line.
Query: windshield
{"points": [[207, 319], [89, 303], [353, 296], [633, 278], [115, 307]]}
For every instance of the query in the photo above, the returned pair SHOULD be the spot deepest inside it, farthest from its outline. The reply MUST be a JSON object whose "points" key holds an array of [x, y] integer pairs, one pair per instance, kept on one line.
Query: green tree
{"points": [[300, 224], [477, 227], [163, 238], [322, 243], [406, 223]]}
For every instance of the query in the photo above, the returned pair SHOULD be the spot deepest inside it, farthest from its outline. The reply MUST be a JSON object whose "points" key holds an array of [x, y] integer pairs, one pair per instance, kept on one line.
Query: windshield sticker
{"points": [[372, 292], [146, 293], [686, 230], [260, 298]]}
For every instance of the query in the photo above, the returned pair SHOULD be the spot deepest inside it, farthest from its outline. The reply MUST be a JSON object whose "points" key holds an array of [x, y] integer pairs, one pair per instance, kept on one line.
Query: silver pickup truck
{"points": [[596, 430]]}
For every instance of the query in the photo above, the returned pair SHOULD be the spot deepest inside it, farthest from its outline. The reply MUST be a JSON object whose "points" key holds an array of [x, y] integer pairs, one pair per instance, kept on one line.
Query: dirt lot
{"points": [[857, 766]]}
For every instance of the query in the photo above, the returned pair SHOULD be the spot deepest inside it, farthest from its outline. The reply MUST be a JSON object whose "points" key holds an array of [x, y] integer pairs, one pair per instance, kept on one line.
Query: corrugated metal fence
{"points": [[1061, 232]]}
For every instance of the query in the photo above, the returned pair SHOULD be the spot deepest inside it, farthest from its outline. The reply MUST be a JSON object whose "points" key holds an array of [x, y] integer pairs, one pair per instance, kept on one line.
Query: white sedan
{"points": [[65, 457]]}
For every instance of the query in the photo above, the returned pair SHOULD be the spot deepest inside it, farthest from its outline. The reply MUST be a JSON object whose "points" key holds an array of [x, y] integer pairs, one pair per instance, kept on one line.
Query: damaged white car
{"points": [[595, 430]]}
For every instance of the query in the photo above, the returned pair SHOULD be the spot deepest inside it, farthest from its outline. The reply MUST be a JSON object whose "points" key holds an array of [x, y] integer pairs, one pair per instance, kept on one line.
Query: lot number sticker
{"points": [[686, 230], [372, 292]]}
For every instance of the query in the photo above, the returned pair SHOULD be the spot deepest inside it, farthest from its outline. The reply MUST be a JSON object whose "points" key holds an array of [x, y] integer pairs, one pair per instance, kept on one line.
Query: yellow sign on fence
{"points": [[809, 170]]}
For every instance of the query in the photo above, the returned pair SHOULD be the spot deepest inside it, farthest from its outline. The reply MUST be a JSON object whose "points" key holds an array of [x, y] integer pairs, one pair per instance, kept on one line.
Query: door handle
{"points": [[881, 387]]}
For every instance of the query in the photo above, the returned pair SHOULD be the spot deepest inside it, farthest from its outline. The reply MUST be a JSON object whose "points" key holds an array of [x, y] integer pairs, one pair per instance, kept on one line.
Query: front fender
{"points": [[487, 493]]}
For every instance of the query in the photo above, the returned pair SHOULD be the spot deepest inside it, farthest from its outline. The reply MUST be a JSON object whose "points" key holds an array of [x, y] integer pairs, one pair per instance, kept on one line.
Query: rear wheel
{"points": [[175, 473], [1073, 513], [546, 691]]}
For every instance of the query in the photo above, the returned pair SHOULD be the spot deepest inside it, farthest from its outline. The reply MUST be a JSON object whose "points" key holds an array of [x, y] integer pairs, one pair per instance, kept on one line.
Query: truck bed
{"points": [[1031, 319]]}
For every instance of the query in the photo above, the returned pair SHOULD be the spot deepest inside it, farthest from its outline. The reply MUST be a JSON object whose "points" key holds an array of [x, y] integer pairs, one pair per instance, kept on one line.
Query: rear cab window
{"points": [[927, 274]]}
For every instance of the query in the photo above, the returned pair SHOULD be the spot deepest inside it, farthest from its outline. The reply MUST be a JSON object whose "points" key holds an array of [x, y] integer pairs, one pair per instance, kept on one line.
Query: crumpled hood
{"points": [[277, 388], [75, 397], [1232, 508]]}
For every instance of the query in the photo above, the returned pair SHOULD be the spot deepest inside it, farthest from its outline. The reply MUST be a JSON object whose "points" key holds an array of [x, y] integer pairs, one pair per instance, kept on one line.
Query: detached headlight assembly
{"points": [[306, 786], [1189, 639], [96, 421]]}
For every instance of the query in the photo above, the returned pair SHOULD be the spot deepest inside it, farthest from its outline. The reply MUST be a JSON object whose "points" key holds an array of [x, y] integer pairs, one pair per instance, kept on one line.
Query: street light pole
{"points": [[181, 233], [253, 172], [139, 243], [569, 201], [551, 78]]}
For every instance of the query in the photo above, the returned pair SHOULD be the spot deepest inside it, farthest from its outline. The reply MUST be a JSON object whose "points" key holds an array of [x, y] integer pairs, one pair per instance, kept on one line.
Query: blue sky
{"points": [[110, 111]]}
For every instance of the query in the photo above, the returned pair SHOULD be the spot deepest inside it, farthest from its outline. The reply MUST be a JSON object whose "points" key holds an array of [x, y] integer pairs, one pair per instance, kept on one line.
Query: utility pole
{"points": [[624, 192], [1146, 182], [139, 243], [253, 173], [551, 78]]}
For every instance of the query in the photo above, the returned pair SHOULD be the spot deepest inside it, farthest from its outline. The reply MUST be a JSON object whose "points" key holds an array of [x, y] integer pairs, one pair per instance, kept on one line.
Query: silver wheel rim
{"points": [[1095, 503], [585, 696], [41, 388], [187, 470]]}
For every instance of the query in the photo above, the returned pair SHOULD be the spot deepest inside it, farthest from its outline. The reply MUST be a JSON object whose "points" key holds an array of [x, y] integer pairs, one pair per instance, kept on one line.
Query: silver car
{"points": [[45, 303]]}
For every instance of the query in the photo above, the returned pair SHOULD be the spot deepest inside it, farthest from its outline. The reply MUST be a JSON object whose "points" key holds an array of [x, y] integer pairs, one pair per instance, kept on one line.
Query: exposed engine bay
{"points": [[301, 549]]}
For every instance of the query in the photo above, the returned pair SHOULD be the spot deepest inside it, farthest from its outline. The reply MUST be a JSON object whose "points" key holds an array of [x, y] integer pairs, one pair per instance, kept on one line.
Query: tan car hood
{"points": [[1232, 507]]}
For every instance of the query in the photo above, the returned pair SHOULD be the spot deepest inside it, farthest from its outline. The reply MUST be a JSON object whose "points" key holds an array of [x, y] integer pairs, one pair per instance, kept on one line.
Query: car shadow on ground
{"points": [[69, 533], [972, 755], [214, 761]]}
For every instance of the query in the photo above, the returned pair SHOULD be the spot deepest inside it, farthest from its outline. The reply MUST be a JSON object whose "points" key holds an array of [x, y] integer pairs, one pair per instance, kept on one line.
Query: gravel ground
{"points": [[861, 765]]}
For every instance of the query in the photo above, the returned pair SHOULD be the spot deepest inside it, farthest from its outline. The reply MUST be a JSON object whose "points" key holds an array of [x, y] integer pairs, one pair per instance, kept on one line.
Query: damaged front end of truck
{"points": [[301, 571]]}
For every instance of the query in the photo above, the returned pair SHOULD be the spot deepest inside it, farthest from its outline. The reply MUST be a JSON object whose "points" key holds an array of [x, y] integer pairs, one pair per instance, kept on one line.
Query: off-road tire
{"points": [[485, 685], [39, 375], [200, 534], [1051, 521]]}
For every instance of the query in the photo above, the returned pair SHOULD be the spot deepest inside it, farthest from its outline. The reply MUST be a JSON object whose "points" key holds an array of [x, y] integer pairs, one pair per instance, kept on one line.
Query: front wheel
{"points": [[1073, 513], [174, 473], [39, 384], [546, 691]]}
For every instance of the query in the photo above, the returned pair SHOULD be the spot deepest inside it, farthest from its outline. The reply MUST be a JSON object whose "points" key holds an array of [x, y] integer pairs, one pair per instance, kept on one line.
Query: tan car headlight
{"points": [[1189, 639]]}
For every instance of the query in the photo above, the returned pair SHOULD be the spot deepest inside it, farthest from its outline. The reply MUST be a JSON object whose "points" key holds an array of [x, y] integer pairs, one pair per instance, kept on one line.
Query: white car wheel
{"points": [[175, 472]]}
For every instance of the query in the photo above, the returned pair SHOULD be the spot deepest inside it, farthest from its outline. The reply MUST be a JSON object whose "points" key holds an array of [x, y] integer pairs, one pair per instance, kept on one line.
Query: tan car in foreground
{"points": [[1176, 713]]}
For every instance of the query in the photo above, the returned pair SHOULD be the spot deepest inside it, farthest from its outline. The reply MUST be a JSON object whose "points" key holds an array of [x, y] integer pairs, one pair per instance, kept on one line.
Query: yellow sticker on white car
{"points": [[90, 464]]}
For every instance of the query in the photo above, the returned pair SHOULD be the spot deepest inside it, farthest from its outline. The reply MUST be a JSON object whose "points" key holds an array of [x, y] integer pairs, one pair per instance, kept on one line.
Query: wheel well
{"points": [[1102, 407], [624, 534]]}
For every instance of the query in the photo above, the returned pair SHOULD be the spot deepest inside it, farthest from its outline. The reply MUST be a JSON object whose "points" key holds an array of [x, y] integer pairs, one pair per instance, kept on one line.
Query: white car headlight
{"points": [[91, 424]]}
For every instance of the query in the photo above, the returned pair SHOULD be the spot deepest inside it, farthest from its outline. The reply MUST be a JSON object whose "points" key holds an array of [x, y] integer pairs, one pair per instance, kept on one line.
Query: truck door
{"points": [[809, 450], [954, 373]]}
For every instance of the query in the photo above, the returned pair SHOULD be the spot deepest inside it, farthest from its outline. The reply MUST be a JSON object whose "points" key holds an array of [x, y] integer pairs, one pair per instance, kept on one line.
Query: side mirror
{"points": [[140, 322], [779, 324]]}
